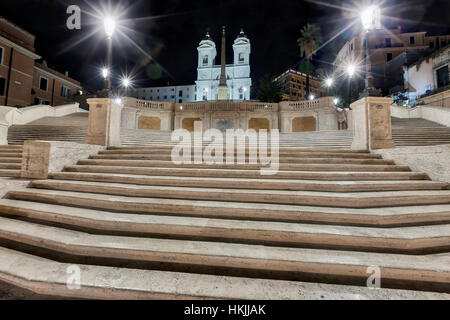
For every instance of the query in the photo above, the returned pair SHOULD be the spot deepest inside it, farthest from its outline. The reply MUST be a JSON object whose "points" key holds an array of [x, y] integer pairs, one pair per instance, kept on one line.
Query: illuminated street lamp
{"points": [[312, 97], [370, 19], [109, 24], [126, 83], [351, 70], [329, 82]]}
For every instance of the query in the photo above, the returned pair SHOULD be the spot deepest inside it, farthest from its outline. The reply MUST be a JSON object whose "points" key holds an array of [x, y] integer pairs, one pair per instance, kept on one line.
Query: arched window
{"points": [[205, 60]]}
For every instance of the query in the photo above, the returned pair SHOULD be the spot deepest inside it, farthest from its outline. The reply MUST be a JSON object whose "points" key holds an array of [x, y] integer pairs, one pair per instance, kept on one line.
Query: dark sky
{"points": [[169, 31]]}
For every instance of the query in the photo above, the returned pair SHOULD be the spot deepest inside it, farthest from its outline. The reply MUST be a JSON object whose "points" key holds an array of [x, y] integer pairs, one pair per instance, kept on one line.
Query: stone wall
{"points": [[439, 115], [434, 160], [317, 115]]}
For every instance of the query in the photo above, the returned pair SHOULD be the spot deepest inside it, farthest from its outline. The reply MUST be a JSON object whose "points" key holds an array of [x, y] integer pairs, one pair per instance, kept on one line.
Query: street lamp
{"points": [[109, 24], [370, 20], [329, 82], [351, 69], [312, 97], [126, 83]]}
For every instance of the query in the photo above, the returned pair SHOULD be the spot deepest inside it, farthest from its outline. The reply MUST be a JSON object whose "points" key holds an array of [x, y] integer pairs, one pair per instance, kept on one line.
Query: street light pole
{"points": [[109, 26], [368, 18]]}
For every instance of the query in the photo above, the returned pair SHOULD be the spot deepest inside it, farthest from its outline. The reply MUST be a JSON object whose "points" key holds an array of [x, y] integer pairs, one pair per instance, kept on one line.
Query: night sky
{"points": [[168, 33]]}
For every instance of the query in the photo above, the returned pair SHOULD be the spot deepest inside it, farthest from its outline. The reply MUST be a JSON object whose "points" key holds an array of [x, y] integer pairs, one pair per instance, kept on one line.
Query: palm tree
{"points": [[309, 42]]}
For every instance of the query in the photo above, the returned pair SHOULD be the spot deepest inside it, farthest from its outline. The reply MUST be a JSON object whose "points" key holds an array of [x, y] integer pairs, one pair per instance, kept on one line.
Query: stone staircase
{"points": [[406, 132], [10, 161], [140, 227]]}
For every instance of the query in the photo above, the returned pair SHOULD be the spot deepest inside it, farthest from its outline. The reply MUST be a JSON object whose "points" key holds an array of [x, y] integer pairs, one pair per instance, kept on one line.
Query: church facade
{"points": [[237, 75], [206, 88]]}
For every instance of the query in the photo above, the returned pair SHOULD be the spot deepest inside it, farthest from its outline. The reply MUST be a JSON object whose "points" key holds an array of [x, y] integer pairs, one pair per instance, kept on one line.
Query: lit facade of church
{"points": [[206, 88], [237, 75]]}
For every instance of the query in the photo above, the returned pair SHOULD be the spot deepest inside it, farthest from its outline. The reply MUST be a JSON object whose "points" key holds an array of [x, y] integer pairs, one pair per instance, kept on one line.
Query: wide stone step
{"points": [[283, 166], [165, 148], [8, 165], [9, 173], [48, 277], [380, 217], [167, 155], [430, 239], [430, 272], [12, 154], [309, 198], [10, 160], [337, 174], [238, 183]]}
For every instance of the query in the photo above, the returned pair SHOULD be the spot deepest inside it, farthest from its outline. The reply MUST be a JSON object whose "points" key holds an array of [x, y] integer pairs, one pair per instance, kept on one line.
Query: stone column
{"points": [[104, 122], [372, 124]]}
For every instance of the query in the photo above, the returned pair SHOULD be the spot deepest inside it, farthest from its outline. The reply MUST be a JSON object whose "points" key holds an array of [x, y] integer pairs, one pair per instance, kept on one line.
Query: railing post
{"points": [[372, 127], [104, 122]]}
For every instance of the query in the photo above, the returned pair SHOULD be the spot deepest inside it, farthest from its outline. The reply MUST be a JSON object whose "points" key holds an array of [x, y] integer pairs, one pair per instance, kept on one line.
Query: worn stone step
{"points": [[9, 173], [48, 277], [156, 153], [300, 172], [3, 165], [337, 174], [309, 150], [381, 217], [405, 240], [283, 166], [10, 160], [326, 199], [239, 183], [10, 154], [429, 272]]}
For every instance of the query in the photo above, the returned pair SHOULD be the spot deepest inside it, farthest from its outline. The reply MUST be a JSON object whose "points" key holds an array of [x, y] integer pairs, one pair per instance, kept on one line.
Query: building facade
{"points": [[294, 86], [430, 73], [23, 81], [177, 94], [206, 87], [237, 74], [386, 45]]}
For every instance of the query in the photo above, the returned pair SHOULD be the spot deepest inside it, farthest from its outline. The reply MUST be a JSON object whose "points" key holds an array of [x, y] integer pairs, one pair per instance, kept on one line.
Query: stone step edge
{"points": [[248, 183], [399, 240], [308, 198], [19, 269], [426, 270], [379, 217]]}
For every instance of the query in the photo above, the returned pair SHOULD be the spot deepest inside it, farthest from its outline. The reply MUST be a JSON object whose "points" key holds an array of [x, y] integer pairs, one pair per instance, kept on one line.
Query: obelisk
{"points": [[223, 89]]}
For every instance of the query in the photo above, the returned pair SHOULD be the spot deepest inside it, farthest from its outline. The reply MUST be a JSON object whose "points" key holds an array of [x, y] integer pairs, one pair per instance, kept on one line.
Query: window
{"points": [[180, 93], [432, 45], [165, 97], [388, 42], [205, 60], [241, 58], [180, 101], [412, 40], [40, 101], [442, 77], [389, 57], [2, 53], [172, 97], [66, 92], [2, 86], [43, 84]]}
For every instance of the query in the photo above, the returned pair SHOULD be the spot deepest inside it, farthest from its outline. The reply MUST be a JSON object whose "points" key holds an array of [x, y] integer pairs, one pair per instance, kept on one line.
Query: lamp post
{"points": [[351, 69], [110, 26], [369, 20], [126, 83]]}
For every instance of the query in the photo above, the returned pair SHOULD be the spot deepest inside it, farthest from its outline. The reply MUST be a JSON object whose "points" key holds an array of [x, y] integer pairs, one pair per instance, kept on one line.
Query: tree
{"points": [[309, 42], [269, 90]]}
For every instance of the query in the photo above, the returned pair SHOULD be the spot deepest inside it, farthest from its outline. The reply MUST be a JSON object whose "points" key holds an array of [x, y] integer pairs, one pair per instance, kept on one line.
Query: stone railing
{"points": [[205, 106], [441, 99], [321, 103], [147, 105]]}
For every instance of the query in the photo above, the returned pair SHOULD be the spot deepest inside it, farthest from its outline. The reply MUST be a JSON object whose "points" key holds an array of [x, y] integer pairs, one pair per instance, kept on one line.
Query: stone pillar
{"points": [[4, 133], [104, 122], [372, 124]]}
